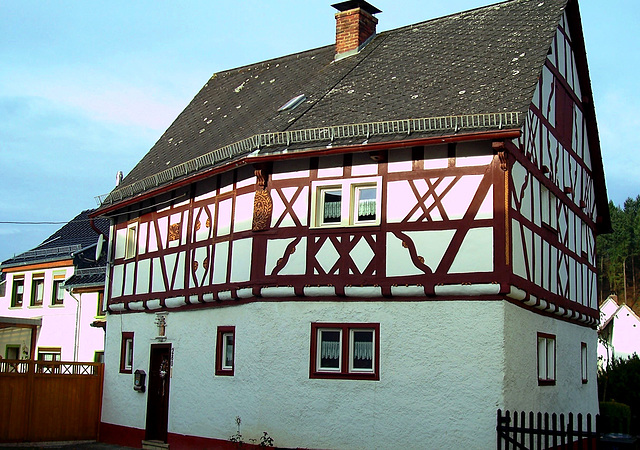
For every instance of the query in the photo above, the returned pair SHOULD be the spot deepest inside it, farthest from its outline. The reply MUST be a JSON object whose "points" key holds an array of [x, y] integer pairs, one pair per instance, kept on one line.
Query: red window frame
{"points": [[220, 367], [550, 378], [345, 372], [126, 336]]}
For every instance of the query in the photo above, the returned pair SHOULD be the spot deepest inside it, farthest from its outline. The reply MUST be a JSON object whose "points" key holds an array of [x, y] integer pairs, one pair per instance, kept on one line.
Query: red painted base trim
{"points": [[184, 442], [133, 437], [121, 435]]}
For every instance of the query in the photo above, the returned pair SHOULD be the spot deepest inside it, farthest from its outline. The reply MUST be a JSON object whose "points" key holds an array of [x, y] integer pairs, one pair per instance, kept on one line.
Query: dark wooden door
{"points": [[158, 395]]}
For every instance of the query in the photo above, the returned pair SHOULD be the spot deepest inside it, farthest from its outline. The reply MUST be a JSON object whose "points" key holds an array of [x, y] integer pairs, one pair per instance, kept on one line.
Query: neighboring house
{"points": [[51, 308], [372, 244], [619, 331]]}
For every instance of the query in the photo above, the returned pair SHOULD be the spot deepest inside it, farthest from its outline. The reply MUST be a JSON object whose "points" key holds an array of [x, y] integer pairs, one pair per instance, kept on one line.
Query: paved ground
{"points": [[77, 445]]}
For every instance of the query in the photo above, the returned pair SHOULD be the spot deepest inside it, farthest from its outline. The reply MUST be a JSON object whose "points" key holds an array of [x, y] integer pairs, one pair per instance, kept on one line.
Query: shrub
{"points": [[614, 417], [621, 381]]}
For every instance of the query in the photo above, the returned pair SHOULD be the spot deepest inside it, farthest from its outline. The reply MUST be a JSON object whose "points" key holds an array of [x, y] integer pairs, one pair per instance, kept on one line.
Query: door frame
{"points": [[153, 429]]}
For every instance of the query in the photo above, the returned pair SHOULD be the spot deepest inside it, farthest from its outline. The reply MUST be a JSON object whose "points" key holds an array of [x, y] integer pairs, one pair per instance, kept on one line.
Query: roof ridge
{"points": [[268, 61]]}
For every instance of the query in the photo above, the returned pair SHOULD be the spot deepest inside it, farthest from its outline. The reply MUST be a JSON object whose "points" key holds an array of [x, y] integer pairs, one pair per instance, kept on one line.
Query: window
{"points": [[546, 359], [37, 289], [49, 354], [548, 208], [131, 241], [98, 357], [225, 351], [101, 311], [347, 351], [583, 362], [57, 293], [351, 202], [12, 352], [17, 293], [126, 352]]}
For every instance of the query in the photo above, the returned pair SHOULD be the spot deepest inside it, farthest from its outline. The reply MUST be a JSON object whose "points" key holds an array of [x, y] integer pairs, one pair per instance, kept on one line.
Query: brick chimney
{"points": [[355, 26]]}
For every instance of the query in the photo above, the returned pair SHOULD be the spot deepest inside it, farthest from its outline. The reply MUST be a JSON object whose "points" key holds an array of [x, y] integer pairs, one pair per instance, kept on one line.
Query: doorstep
{"points": [[154, 445]]}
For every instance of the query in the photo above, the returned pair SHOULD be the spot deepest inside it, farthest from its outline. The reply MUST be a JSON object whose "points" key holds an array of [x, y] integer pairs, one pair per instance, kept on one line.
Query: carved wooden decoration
{"points": [[174, 232], [262, 203], [502, 154]]}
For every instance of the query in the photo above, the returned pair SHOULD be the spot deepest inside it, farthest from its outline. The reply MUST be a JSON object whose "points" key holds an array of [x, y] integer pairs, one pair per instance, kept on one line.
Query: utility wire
{"points": [[32, 223]]}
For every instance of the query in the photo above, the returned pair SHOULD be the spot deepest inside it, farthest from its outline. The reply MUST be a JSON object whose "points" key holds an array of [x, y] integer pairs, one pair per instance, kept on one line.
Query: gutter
{"points": [[251, 159]]}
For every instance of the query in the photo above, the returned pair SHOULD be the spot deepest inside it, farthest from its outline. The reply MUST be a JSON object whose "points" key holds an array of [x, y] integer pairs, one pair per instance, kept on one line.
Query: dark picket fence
{"points": [[540, 431]]}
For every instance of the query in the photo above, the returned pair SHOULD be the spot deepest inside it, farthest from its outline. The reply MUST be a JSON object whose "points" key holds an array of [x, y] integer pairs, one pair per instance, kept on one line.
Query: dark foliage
{"points": [[620, 381], [619, 255]]}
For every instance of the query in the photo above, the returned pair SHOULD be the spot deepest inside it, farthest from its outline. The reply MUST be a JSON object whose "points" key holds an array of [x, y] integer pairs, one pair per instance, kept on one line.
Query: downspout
{"points": [[77, 330], [95, 228]]}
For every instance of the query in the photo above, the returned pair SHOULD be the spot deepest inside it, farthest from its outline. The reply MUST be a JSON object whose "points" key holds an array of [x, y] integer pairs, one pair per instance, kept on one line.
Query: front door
{"points": [[158, 396]]}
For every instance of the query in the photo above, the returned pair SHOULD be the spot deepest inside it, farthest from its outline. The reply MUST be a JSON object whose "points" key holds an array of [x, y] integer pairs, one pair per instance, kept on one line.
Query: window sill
{"points": [[224, 373], [339, 226], [56, 306], [546, 382], [34, 306], [129, 371], [345, 376]]}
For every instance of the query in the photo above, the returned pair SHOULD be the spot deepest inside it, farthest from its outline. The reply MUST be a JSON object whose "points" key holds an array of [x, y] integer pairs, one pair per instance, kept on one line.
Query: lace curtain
{"points": [[367, 208], [332, 210]]}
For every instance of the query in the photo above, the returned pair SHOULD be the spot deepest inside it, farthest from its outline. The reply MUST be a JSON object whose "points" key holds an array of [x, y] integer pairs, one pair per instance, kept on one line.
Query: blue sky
{"points": [[86, 88]]}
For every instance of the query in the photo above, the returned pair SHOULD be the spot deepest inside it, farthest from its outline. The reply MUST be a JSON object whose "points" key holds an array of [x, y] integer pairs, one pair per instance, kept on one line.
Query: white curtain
{"points": [[330, 350], [367, 208], [332, 210], [363, 350]]}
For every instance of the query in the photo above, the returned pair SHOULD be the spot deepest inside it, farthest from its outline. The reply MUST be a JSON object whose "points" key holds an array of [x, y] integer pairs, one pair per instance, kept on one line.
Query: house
{"points": [[376, 243], [53, 296], [619, 331]]}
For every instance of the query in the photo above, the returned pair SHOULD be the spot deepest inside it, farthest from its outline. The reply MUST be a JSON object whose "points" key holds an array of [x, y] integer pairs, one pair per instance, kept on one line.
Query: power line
{"points": [[31, 223]]}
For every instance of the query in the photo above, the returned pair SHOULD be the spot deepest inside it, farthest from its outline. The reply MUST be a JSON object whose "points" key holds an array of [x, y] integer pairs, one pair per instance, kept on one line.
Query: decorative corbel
{"points": [[499, 147], [262, 203]]}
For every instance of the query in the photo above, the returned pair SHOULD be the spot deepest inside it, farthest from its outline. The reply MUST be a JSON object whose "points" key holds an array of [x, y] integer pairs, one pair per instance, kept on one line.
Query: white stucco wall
{"points": [[441, 372], [569, 394]]}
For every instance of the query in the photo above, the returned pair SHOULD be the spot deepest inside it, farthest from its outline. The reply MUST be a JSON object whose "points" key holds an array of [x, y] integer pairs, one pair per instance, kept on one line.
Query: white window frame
{"points": [[128, 354], [319, 366], [350, 188], [546, 359], [352, 332], [131, 241], [226, 351], [583, 362]]}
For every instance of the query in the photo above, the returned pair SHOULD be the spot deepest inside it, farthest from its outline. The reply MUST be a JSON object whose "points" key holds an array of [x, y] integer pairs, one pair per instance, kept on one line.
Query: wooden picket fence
{"points": [[539, 431], [49, 401]]}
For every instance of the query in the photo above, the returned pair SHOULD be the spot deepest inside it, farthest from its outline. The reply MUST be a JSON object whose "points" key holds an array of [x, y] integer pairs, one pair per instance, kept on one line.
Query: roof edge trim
{"points": [[254, 158], [329, 133]]}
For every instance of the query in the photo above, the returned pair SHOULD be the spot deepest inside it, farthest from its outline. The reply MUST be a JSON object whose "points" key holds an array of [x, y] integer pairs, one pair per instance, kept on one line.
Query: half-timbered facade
{"points": [[347, 247]]}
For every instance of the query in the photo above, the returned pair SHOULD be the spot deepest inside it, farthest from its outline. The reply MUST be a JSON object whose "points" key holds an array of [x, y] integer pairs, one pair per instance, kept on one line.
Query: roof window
{"points": [[291, 104]]}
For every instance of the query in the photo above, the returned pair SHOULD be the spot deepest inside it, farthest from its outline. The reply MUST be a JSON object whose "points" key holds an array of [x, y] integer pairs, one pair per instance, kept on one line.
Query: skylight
{"points": [[291, 104]]}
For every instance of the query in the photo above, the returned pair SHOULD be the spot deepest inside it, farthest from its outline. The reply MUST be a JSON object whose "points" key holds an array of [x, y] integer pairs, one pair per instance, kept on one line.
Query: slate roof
{"points": [[73, 236], [483, 62], [84, 278]]}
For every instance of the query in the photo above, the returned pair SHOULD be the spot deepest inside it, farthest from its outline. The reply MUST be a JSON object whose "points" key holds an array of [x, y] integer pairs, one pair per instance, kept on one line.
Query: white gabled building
{"points": [[50, 308], [619, 331], [377, 243]]}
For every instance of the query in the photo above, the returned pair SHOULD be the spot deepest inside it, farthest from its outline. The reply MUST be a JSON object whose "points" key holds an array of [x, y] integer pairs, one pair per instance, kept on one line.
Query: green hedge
{"points": [[615, 417]]}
